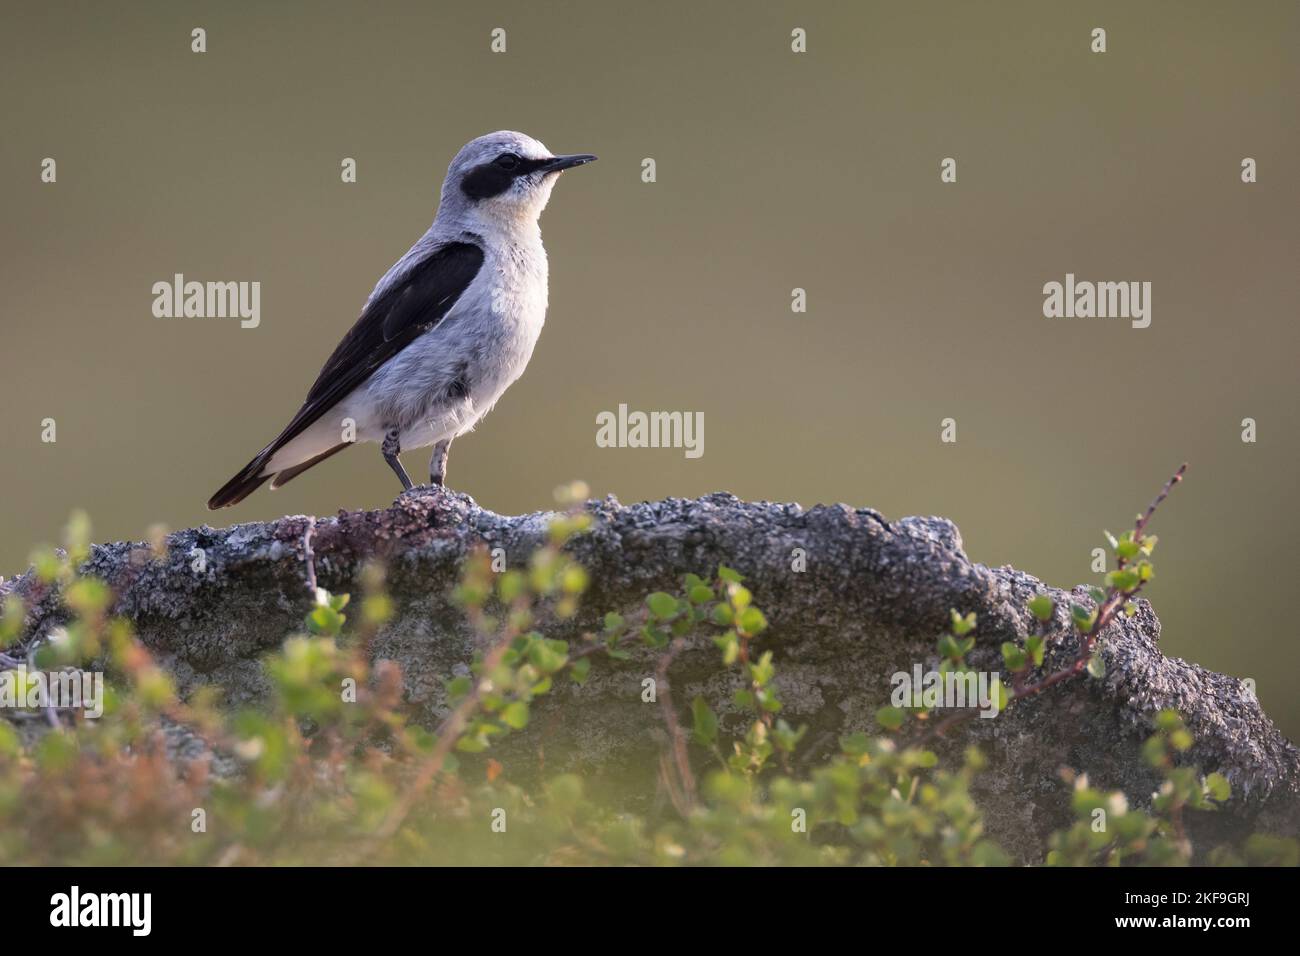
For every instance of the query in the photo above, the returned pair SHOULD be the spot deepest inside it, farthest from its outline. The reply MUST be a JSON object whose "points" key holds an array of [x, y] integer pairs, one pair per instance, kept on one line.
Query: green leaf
{"points": [[663, 606], [786, 737], [705, 729], [1125, 580], [1013, 657], [700, 594], [752, 621], [1042, 607], [510, 585], [515, 715], [1168, 719], [548, 656], [653, 636], [729, 575], [10, 743], [891, 718], [46, 564], [574, 580], [89, 597], [1153, 749], [323, 619], [580, 669], [1034, 646], [1003, 695], [76, 537], [11, 620], [543, 686], [1096, 666], [55, 753], [739, 596], [855, 744], [729, 644], [471, 745], [1216, 784]]}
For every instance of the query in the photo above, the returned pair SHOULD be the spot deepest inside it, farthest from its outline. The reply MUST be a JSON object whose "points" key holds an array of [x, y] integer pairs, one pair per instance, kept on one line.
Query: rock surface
{"points": [[871, 601]]}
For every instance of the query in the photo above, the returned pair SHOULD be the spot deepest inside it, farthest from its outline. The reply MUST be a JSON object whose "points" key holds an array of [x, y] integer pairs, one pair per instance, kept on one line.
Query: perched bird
{"points": [[445, 332]]}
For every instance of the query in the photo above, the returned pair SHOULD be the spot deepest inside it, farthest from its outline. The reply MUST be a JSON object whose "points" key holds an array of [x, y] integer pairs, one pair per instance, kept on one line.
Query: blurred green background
{"points": [[775, 170]]}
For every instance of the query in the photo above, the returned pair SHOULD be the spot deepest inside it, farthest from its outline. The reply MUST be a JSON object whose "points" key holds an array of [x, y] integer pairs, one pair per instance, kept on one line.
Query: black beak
{"points": [[559, 163]]}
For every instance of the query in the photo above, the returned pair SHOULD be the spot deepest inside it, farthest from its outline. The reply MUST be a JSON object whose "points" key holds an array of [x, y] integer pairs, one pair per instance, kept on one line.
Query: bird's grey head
{"points": [[502, 180]]}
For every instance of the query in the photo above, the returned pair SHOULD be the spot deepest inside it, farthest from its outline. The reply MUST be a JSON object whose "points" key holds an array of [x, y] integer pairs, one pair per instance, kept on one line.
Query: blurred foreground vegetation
{"points": [[332, 771]]}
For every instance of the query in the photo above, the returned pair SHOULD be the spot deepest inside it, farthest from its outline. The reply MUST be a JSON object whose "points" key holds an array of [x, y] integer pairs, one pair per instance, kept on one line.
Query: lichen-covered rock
{"points": [[870, 601]]}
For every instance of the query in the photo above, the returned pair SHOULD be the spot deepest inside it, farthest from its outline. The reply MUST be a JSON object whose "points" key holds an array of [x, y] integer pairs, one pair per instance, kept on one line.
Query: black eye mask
{"points": [[489, 179]]}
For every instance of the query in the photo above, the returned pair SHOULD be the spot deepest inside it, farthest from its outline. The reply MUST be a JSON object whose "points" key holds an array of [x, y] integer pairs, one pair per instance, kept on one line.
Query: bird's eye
{"points": [[507, 160]]}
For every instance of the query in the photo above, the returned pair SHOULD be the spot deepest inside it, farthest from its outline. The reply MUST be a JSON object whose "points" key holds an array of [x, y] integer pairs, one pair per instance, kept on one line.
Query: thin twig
{"points": [[1106, 611], [676, 738], [309, 556], [448, 735], [1159, 499]]}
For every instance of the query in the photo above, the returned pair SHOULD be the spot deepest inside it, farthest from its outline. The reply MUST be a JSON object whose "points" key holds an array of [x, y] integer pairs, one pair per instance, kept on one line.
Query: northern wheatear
{"points": [[445, 332]]}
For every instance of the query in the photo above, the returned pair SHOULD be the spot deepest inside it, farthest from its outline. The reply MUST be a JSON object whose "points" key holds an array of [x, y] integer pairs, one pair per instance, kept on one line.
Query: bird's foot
{"points": [[436, 495], [420, 491]]}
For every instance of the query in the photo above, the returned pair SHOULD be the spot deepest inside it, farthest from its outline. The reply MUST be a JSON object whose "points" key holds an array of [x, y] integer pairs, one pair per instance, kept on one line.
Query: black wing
{"points": [[388, 324]]}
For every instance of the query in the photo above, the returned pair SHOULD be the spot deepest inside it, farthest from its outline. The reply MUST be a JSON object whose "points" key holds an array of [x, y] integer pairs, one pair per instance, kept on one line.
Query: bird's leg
{"points": [[391, 447], [438, 463]]}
